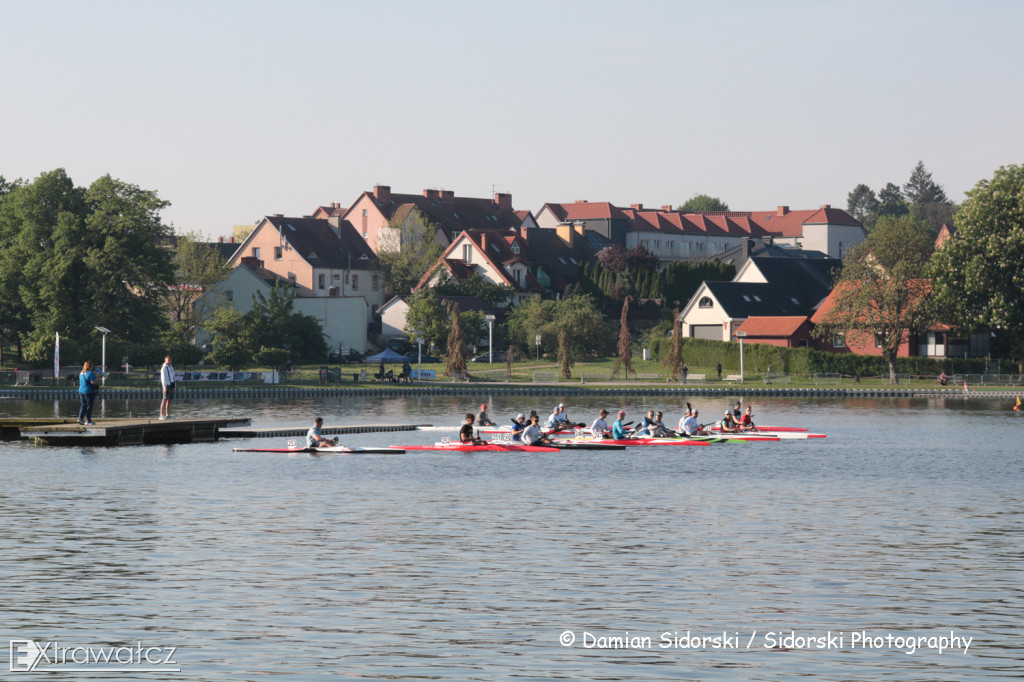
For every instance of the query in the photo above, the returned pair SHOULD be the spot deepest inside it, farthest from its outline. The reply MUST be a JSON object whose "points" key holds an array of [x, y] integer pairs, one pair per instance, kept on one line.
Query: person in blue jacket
{"points": [[88, 387]]}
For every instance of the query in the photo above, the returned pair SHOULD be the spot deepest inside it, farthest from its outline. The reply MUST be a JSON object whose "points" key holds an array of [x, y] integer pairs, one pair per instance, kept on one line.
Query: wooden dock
{"points": [[124, 431], [289, 432]]}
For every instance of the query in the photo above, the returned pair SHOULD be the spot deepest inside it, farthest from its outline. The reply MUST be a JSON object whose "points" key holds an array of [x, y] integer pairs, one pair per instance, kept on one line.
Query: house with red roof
{"points": [[787, 331], [377, 214], [675, 235]]}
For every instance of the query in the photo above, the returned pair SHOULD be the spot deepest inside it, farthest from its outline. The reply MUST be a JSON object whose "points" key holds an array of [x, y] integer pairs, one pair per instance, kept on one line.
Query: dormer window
{"points": [[515, 248]]}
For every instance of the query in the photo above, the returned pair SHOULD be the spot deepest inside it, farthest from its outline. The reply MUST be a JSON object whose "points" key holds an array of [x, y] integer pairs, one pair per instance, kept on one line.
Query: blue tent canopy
{"points": [[387, 355]]}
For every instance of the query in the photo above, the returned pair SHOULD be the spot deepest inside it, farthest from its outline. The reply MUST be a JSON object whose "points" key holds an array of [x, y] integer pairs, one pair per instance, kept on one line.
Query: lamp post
{"points": [[741, 336], [537, 340], [490, 338], [103, 360]]}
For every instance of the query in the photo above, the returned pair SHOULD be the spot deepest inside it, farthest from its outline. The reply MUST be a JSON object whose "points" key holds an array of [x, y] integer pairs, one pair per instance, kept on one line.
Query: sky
{"points": [[235, 110]]}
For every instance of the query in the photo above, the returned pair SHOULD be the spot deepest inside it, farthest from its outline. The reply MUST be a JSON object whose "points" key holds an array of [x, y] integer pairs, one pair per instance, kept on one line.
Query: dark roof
{"points": [[560, 261], [325, 245], [738, 255], [451, 213], [795, 286]]}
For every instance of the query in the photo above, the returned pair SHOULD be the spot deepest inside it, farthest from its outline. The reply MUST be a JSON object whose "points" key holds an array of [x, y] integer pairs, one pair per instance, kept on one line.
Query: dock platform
{"points": [[126, 431], [288, 432]]}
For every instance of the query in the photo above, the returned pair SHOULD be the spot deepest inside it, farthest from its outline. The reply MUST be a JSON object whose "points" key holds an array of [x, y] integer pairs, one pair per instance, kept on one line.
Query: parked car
{"points": [[499, 356], [413, 358]]}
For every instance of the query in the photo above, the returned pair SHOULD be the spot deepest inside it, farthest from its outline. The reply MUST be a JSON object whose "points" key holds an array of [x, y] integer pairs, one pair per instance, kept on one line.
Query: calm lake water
{"points": [[907, 521]]}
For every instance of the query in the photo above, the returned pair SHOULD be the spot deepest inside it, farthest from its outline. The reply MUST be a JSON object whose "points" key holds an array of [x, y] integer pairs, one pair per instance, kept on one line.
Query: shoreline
{"points": [[188, 392]]}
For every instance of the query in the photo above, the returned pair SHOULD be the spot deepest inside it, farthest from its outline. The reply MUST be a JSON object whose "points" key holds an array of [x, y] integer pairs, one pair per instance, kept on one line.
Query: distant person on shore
{"points": [[943, 379], [315, 439], [686, 370], [719, 370], [167, 383], [88, 387], [482, 419], [467, 434]]}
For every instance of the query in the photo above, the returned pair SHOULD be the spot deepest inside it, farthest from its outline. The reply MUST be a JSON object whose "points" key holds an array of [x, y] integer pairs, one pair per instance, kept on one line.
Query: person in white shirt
{"points": [[600, 427], [533, 435], [689, 425], [167, 382]]}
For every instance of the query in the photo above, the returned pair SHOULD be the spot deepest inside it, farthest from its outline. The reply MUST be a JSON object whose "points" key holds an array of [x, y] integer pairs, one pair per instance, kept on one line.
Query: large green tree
{"points": [[429, 316], [891, 201], [883, 293], [407, 251], [927, 200], [79, 257], [588, 333], [862, 204], [475, 285], [979, 277], [701, 203], [198, 268]]}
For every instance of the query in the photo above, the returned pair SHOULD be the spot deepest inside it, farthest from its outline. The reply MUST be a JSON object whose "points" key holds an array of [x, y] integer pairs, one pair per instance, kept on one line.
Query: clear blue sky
{"points": [[233, 110]]}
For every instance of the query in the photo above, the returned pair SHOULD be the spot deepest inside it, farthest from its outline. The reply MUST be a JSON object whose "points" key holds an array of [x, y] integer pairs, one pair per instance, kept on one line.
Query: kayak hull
{"points": [[333, 450]]}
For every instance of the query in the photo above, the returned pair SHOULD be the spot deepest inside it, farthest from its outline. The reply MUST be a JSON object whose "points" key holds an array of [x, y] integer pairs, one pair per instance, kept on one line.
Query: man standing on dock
{"points": [[167, 382]]}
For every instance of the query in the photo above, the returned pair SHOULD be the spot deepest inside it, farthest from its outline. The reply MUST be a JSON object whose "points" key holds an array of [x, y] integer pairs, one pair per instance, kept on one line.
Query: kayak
{"points": [[764, 434], [629, 442], [486, 447], [776, 429], [333, 450]]}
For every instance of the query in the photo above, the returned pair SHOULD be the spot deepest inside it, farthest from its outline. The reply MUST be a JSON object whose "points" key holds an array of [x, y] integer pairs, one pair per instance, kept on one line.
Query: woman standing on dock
{"points": [[88, 386]]}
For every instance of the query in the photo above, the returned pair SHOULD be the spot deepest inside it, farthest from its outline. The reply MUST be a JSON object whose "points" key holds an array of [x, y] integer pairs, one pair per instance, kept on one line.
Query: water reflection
{"points": [[907, 519]]}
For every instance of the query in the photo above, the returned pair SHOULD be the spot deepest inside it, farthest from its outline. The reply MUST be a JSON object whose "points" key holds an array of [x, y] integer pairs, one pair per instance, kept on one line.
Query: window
{"points": [[322, 281], [518, 275], [515, 248], [840, 249], [374, 282], [746, 298], [277, 253], [229, 295], [657, 244], [495, 249], [705, 302], [335, 276], [757, 298], [364, 234], [365, 212], [255, 252], [355, 282], [839, 340], [467, 253]]}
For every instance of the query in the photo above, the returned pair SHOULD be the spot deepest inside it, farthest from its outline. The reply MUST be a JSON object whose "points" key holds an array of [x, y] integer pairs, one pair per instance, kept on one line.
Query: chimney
{"points": [[252, 262], [220, 240], [783, 210], [581, 201], [637, 207], [279, 215], [231, 240], [748, 244], [566, 233], [826, 205], [483, 242], [382, 193], [447, 194], [503, 201], [666, 207], [431, 193]]}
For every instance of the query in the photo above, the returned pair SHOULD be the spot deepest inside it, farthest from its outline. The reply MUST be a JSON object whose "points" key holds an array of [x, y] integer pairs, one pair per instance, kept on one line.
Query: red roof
{"points": [[763, 327]]}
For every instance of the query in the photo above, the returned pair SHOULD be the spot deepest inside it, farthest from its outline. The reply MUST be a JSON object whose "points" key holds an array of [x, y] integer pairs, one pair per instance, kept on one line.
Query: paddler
{"points": [[518, 426], [600, 426], [658, 429], [467, 434], [482, 419], [314, 438], [746, 422], [689, 425], [727, 424], [618, 428], [533, 435]]}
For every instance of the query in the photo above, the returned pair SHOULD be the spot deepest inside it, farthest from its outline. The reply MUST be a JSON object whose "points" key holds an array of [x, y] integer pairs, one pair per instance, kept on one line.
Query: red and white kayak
{"points": [[774, 429], [486, 447], [332, 450]]}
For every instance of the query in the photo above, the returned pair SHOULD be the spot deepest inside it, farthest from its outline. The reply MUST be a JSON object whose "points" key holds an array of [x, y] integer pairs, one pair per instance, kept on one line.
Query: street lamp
{"points": [[537, 339], [103, 363], [741, 336], [490, 338]]}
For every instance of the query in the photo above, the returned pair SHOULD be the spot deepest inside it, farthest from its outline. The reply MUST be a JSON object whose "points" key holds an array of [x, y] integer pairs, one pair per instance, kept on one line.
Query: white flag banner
{"points": [[56, 358]]}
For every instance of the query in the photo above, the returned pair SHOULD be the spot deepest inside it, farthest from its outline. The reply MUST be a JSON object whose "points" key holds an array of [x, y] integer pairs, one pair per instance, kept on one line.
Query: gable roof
{"points": [[451, 213], [323, 244], [795, 286]]}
